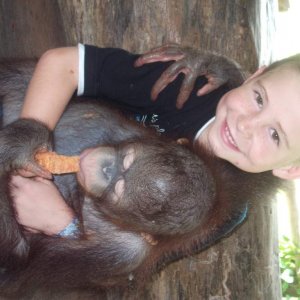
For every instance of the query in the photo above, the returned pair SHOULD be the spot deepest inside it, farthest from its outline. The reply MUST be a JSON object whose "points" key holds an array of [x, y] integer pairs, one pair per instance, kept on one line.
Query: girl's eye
{"points": [[275, 136], [259, 100]]}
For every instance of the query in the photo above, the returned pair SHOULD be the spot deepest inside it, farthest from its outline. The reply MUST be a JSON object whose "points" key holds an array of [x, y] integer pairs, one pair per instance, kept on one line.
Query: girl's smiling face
{"points": [[257, 125]]}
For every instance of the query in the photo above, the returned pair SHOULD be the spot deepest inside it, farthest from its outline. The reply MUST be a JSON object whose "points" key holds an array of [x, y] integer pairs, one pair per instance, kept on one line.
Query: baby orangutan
{"points": [[142, 201]]}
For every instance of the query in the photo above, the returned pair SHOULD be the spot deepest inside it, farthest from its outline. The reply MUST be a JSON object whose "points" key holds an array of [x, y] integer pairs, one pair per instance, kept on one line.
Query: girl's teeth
{"points": [[230, 138]]}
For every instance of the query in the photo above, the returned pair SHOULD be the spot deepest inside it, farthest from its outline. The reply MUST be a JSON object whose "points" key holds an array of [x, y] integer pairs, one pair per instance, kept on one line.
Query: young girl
{"points": [[254, 126]]}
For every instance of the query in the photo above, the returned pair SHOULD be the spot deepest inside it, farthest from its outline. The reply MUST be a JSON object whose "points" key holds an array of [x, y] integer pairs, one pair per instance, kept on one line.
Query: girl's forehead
{"points": [[282, 87]]}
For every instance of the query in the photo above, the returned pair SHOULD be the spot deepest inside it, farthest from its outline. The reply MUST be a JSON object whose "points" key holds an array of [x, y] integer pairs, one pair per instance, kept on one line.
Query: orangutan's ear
{"points": [[182, 141]]}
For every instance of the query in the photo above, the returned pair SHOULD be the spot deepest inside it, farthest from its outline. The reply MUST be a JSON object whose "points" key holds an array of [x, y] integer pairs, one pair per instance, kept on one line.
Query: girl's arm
{"points": [[38, 203], [54, 81]]}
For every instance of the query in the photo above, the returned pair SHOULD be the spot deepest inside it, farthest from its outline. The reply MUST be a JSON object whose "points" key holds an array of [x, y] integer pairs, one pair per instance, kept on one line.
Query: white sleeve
{"points": [[81, 50]]}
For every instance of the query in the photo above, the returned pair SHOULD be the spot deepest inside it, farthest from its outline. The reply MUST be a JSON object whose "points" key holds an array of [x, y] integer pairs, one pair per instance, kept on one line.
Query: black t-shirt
{"points": [[109, 74]]}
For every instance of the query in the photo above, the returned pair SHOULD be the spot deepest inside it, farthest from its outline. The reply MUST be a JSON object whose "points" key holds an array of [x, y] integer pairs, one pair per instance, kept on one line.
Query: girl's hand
{"points": [[39, 205]]}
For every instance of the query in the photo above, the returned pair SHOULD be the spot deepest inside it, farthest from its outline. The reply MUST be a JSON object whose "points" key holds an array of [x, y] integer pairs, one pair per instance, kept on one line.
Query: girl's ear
{"points": [[256, 73], [290, 173]]}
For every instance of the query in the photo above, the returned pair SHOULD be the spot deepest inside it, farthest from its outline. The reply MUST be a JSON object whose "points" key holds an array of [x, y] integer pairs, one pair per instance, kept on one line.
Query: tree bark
{"points": [[29, 27], [244, 265]]}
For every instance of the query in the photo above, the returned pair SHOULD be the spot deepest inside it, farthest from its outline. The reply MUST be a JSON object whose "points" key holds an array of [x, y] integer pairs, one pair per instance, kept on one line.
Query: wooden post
{"points": [[244, 265]]}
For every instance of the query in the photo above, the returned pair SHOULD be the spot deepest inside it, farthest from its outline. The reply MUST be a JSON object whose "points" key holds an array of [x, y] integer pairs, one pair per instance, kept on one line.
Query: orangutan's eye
{"points": [[128, 158]]}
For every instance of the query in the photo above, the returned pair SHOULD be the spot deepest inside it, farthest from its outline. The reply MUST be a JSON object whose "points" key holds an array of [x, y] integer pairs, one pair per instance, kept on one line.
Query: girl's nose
{"points": [[245, 125]]}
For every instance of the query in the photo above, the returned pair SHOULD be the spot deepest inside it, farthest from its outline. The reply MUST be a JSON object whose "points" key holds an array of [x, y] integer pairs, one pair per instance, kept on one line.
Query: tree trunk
{"points": [[244, 265], [29, 27]]}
